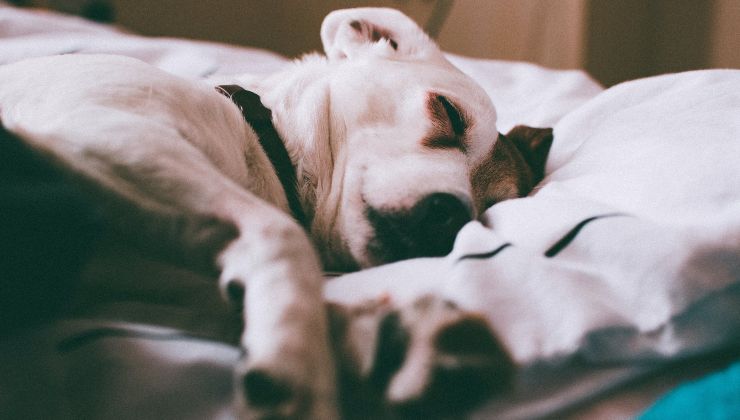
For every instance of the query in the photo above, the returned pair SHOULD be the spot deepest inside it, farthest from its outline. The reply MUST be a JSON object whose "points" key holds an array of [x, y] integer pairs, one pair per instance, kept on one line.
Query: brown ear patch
{"points": [[534, 145], [374, 33], [514, 166]]}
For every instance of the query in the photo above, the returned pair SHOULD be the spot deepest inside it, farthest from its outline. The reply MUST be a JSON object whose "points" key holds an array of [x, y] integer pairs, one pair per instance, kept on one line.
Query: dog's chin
{"points": [[374, 251], [382, 249], [336, 262]]}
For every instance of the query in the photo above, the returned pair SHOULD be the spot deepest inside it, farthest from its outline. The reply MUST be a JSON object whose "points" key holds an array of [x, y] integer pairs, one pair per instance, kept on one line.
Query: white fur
{"points": [[171, 148]]}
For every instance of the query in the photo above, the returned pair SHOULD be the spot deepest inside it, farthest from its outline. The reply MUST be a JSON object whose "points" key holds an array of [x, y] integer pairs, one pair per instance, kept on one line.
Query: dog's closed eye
{"points": [[448, 124], [453, 115]]}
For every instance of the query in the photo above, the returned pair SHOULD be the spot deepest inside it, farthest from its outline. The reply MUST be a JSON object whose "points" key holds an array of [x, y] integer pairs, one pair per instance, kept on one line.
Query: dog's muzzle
{"points": [[428, 229]]}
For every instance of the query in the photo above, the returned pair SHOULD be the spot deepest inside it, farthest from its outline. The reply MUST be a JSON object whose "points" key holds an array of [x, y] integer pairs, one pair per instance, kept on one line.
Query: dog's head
{"points": [[415, 151]]}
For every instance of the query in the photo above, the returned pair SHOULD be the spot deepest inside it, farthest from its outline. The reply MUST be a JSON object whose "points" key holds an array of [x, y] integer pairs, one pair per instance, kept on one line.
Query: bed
{"points": [[642, 189]]}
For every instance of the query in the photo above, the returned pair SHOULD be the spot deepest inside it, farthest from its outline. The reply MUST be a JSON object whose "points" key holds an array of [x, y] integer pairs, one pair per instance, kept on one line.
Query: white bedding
{"points": [[627, 255], [651, 168], [654, 162]]}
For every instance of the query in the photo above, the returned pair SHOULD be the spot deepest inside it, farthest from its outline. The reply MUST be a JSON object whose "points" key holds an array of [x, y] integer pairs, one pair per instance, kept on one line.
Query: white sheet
{"points": [[628, 254], [660, 153], [655, 161], [626, 257]]}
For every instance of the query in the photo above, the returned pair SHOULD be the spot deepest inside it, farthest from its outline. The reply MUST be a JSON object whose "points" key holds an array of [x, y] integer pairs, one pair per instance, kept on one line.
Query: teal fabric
{"points": [[716, 396]]}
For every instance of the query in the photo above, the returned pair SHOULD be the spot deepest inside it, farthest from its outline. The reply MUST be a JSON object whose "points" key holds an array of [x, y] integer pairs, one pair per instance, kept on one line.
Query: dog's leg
{"points": [[168, 194], [288, 370], [179, 173]]}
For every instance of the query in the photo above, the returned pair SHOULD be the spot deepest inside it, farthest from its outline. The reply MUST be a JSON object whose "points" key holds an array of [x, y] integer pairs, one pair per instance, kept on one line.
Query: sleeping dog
{"points": [[378, 151]]}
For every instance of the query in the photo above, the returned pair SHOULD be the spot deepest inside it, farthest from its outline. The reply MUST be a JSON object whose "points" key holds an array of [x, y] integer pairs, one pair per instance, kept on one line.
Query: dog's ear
{"points": [[351, 33], [534, 145], [514, 166]]}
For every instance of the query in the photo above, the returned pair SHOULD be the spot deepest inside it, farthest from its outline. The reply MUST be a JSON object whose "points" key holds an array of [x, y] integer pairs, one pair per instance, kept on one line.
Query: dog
{"points": [[377, 151]]}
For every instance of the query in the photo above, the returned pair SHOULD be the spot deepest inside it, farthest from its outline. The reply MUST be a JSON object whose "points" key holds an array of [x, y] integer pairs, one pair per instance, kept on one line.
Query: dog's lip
{"points": [[397, 236], [383, 249]]}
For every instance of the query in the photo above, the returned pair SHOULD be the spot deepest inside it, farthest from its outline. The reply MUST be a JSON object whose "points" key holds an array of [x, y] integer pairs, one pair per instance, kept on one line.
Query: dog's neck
{"points": [[260, 119], [299, 99]]}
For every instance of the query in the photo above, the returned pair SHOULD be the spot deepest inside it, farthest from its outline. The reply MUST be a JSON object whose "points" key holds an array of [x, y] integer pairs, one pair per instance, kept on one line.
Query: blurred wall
{"points": [[545, 32], [614, 40], [725, 35], [628, 39], [290, 27]]}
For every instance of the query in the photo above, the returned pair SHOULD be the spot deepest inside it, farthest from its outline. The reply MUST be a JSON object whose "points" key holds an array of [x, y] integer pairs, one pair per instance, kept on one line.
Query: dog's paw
{"points": [[272, 392], [430, 359], [452, 361]]}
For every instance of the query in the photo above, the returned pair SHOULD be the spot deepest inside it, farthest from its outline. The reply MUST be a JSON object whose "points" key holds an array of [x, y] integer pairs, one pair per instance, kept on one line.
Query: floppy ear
{"points": [[351, 33], [534, 145], [514, 166]]}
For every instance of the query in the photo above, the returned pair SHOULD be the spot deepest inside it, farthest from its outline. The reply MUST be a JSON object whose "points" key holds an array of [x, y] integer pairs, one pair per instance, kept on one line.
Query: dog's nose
{"points": [[437, 218]]}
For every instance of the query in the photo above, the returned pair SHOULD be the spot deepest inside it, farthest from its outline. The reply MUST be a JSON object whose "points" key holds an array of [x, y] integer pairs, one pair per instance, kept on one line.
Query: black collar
{"points": [[260, 119]]}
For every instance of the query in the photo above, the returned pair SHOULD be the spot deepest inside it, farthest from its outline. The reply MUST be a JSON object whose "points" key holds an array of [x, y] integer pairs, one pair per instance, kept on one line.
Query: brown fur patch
{"points": [[446, 132], [534, 145], [515, 164], [502, 175]]}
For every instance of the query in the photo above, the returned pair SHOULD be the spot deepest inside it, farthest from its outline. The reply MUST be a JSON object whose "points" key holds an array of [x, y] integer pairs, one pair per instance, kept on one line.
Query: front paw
{"points": [[429, 359], [453, 361], [279, 391]]}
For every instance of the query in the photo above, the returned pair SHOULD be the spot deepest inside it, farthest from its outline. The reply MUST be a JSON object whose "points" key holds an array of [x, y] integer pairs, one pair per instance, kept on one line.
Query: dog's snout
{"points": [[427, 229], [438, 217]]}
